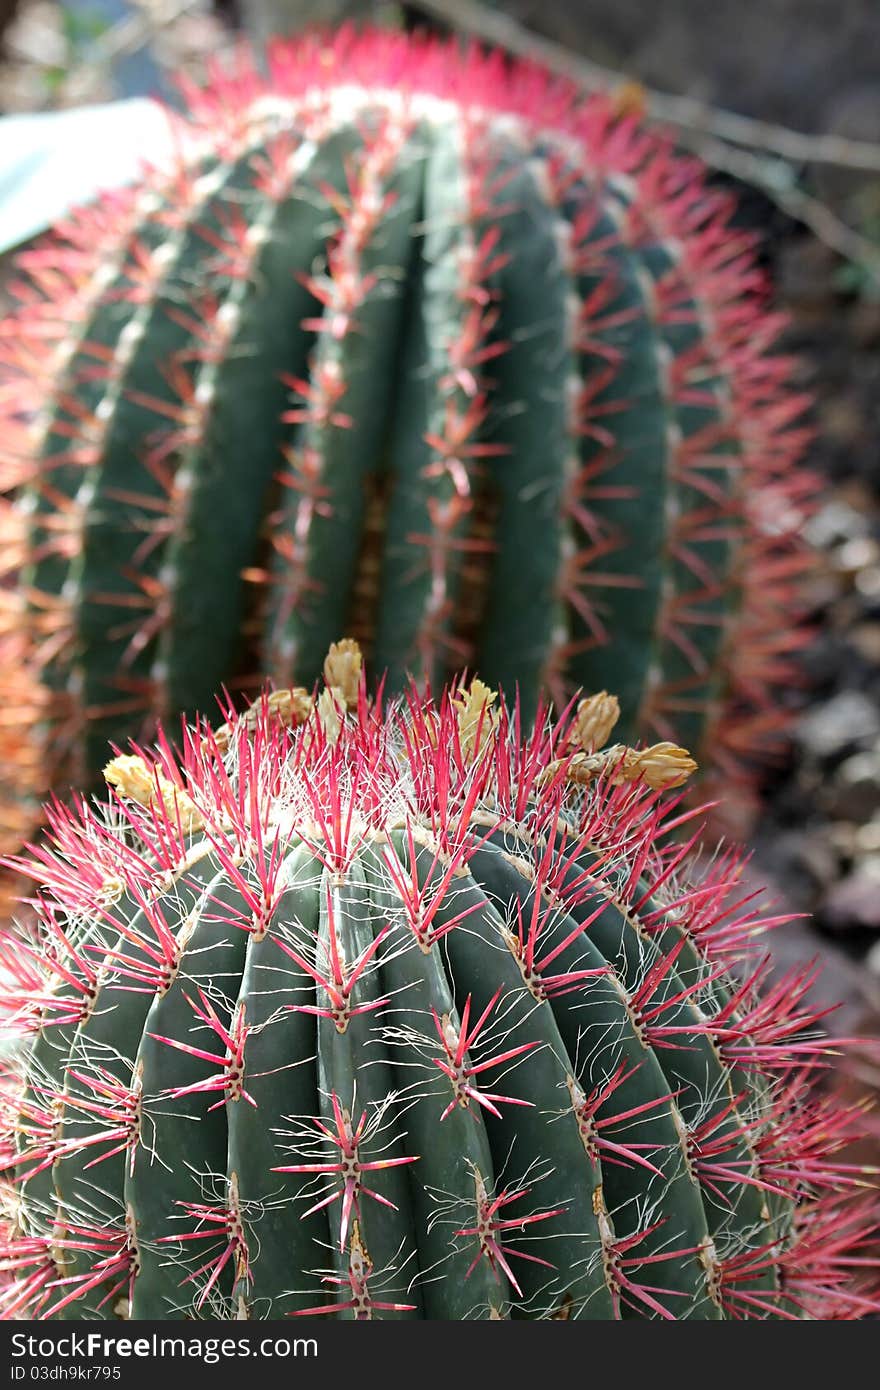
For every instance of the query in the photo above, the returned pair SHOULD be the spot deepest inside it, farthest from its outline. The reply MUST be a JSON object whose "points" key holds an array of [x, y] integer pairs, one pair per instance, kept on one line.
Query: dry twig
{"points": [[749, 149]]}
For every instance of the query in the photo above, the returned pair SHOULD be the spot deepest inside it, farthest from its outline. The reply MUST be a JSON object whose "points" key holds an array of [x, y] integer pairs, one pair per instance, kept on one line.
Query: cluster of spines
{"points": [[515, 1014], [665, 428]]}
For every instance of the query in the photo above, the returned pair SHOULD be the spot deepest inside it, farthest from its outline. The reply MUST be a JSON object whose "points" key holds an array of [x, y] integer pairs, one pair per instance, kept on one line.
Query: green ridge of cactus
{"points": [[378, 1013], [412, 344]]}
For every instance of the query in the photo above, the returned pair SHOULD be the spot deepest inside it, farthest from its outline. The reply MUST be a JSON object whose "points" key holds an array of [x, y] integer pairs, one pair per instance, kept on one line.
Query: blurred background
{"points": [[782, 99]]}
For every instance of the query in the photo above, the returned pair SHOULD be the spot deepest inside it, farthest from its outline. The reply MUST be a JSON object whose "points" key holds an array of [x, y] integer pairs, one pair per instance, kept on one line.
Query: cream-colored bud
{"points": [[181, 807], [289, 708], [477, 720], [431, 725], [618, 764], [342, 670], [133, 778], [595, 719], [330, 709], [664, 765], [661, 767], [580, 770]]}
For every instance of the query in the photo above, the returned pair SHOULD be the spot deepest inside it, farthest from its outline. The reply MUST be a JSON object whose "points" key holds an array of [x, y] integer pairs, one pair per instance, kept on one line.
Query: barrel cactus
{"points": [[410, 343], [400, 1013]]}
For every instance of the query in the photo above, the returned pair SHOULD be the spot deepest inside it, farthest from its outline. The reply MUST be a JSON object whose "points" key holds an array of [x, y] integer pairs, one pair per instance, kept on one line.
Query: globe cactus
{"points": [[395, 1013], [414, 344]]}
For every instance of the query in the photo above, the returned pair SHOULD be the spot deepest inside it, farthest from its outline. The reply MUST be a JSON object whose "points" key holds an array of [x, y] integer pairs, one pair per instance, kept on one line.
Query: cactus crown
{"points": [[386, 1013], [415, 342]]}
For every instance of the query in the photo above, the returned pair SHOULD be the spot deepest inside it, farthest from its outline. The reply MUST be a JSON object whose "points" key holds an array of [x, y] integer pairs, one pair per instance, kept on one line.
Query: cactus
{"points": [[393, 1014], [414, 344]]}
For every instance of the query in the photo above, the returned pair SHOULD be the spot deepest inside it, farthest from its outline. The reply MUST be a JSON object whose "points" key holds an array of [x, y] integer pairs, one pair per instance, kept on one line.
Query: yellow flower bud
{"points": [[663, 765], [181, 807], [342, 670], [330, 709], [475, 717], [596, 717], [289, 708], [134, 778]]}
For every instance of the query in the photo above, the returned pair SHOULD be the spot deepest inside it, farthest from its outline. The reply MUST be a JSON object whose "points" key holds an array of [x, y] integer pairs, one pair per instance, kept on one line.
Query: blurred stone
{"points": [[824, 658], [822, 588], [853, 490], [868, 837], [866, 640], [868, 582], [842, 418], [803, 865], [835, 523], [843, 722], [855, 792], [840, 986], [849, 608], [842, 835], [37, 35], [859, 553], [855, 900]]}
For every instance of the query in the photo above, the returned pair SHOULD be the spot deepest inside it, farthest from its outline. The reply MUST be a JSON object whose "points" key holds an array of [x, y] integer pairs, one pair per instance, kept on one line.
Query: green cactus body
{"points": [[385, 1014], [436, 355]]}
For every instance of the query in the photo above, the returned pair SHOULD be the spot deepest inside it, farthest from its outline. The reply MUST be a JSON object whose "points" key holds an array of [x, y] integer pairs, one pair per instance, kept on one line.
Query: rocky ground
{"points": [[820, 836], [817, 845]]}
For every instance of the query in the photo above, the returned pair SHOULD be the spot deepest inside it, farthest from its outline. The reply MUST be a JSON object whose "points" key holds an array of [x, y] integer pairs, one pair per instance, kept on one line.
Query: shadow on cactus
{"points": [[413, 344], [393, 1013]]}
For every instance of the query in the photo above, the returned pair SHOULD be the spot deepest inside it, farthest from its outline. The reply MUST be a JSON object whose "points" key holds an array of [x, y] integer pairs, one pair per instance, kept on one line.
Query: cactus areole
{"points": [[394, 1015], [415, 344]]}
